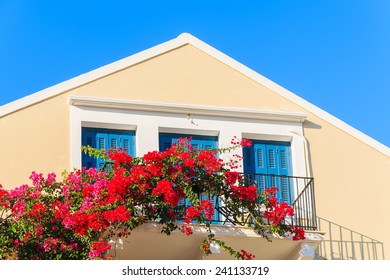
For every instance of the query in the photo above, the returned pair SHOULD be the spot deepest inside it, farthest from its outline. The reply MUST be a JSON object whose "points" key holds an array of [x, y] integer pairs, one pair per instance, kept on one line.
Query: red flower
{"points": [[246, 256], [98, 249], [120, 214], [271, 191], [186, 229], [277, 214], [4, 198], [245, 193], [164, 187], [298, 233], [208, 209], [231, 177], [191, 213], [38, 210], [120, 157]]}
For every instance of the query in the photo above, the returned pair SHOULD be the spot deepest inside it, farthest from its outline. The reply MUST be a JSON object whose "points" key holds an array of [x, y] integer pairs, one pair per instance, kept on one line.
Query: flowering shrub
{"points": [[74, 218]]}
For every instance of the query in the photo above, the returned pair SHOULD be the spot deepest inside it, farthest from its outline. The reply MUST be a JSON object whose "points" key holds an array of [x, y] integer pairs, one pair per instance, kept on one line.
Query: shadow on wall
{"points": [[310, 125]]}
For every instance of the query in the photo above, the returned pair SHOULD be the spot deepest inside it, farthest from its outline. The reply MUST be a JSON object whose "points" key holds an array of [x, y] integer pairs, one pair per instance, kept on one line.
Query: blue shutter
{"points": [[127, 142], [198, 142], [270, 158], [165, 141], [284, 168], [106, 139], [102, 143], [88, 138], [260, 166]]}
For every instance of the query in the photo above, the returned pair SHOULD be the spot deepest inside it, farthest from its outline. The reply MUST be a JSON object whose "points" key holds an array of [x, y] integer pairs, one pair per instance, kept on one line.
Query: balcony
{"points": [[296, 191], [147, 242]]}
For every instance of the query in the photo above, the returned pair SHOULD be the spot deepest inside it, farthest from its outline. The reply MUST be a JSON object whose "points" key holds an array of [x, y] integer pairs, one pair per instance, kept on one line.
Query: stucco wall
{"points": [[35, 138]]}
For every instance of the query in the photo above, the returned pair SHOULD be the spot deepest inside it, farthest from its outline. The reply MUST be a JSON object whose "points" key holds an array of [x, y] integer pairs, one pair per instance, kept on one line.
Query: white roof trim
{"points": [[182, 40], [91, 76], [233, 112]]}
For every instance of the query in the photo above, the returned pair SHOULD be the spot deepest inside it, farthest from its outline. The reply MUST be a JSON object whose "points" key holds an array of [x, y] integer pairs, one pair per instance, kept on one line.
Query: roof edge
{"points": [[91, 76], [181, 40], [287, 94]]}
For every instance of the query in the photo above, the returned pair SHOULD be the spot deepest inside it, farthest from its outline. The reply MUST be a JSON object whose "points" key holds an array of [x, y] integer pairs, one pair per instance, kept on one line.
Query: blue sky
{"points": [[335, 54]]}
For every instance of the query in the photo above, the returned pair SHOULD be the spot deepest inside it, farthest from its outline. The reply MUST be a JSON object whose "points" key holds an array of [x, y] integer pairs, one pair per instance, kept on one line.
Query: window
{"points": [[267, 163], [106, 139], [198, 142]]}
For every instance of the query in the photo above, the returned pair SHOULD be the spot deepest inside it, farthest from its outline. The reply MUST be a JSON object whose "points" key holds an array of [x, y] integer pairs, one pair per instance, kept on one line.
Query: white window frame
{"points": [[148, 119]]}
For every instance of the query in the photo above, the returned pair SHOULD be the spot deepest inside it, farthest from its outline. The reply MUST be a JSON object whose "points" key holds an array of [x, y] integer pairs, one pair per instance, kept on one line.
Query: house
{"points": [[186, 87]]}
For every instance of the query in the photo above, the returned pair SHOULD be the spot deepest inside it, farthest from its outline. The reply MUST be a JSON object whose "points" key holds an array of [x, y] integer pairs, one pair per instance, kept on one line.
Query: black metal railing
{"points": [[295, 191]]}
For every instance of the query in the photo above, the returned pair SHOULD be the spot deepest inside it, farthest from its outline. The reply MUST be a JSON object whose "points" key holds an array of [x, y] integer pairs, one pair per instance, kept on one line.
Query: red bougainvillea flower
{"points": [[4, 198], [120, 157], [191, 214], [231, 177], [119, 214], [98, 249], [164, 187], [244, 142], [278, 213], [297, 233], [208, 209], [245, 193], [186, 229], [271, 191], [246, 256]]}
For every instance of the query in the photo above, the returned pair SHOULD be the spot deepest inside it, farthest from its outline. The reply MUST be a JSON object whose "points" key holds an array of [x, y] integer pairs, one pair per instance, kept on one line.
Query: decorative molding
{"points": [[187, 109]]}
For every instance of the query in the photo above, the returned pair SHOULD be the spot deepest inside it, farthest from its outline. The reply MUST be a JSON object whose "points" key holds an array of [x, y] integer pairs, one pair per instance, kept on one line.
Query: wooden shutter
{"points": [[88, 138], [106, 139]]}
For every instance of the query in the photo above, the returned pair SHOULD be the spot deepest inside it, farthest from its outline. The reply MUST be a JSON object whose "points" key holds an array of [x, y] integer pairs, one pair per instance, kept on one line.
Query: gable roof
{"points": [[181, 40]]}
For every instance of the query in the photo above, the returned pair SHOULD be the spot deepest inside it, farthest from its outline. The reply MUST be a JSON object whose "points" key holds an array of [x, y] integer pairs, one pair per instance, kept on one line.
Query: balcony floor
{"points": [[146, 243]]}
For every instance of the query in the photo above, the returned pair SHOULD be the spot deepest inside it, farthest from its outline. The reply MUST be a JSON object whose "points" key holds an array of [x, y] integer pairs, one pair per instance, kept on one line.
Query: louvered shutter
{"points": [[127, 142], [88, 139], [106, 139], [283, 161], [102, 143], [261, 166], [270, 158]]}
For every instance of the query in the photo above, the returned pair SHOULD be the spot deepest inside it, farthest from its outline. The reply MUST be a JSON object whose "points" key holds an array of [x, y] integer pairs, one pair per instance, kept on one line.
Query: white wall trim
{"points": [[188, 109], [182, 40], [147, 126]]}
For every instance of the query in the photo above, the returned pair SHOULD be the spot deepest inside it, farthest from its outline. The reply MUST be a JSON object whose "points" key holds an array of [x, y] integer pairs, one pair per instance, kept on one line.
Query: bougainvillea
{"points": [[74, 218]]}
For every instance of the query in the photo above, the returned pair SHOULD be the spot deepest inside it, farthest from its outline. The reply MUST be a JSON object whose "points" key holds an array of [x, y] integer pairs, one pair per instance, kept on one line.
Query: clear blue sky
{"points": [[335, 54]]}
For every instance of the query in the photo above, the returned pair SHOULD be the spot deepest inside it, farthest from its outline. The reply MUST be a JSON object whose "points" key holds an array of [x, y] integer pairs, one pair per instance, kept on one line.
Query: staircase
{"points": [[341, 243]]}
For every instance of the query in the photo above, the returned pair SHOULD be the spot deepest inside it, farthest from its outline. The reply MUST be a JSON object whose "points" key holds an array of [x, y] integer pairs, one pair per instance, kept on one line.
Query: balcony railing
{"points": [[296, 191]]}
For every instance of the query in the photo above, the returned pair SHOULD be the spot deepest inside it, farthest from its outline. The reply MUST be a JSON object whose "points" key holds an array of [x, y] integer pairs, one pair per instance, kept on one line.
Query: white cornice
{"points": [[200, 110]]}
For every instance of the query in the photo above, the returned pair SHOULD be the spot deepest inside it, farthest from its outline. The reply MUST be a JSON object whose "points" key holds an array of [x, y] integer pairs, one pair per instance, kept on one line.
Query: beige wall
{"points": [[186, 75], [35, 138], [352, 179]]}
